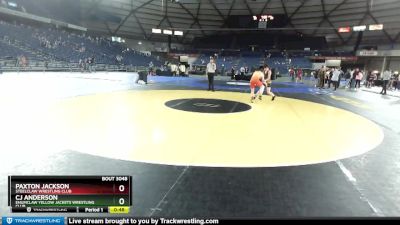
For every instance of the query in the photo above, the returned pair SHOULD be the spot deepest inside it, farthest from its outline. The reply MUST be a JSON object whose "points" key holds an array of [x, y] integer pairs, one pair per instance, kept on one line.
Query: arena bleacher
{"points": [[40, 44]]}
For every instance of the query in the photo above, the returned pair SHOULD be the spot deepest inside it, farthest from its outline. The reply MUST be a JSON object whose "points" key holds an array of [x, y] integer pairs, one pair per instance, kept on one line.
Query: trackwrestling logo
{"points": [[33, 220]]}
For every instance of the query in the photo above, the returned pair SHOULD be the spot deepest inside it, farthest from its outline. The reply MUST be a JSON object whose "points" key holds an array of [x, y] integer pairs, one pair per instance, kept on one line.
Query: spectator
{"points": [[385, 78], [391, 84], [182, 69], [81, 64], [93, 64], [370, 79], [353, 74], [174, 70], [314, 75], [359, 77], [232, 73], [299, 75], [321, 77], [330, 74], [151, 68], [335, 78], [292, 73], [24, 61], [327, 76], [242, 71]]}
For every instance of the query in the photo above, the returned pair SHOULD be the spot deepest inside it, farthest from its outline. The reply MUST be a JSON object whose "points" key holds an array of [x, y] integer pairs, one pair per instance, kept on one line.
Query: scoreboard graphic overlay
{"points": [[74, 194]]}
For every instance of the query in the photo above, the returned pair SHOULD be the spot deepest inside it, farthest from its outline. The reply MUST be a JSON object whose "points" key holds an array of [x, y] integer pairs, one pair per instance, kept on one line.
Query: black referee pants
{"points": [[210, 81]]}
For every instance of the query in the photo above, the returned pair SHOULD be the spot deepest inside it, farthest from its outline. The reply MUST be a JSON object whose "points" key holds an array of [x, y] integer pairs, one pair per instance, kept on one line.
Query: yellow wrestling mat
{"points": [[138, 126]]}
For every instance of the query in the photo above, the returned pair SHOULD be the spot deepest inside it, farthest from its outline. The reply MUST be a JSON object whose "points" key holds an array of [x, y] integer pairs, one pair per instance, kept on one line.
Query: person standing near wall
{"points": [[211, 68], [242, 71], [292, 73], [232, 73], [391, 81], [369, 79], [299, 75], [314, 75], [174, 69], [321, 77], [328, 77], [397, 80], [335, 78], [385, 77], [347, 77], [359, 77], [151, 68], [353, 77], [182, 69]]}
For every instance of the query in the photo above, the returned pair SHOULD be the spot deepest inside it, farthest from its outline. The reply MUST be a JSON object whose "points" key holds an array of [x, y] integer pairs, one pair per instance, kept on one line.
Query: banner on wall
{"points": [[342, 58], [333, 63], [368, 53]]}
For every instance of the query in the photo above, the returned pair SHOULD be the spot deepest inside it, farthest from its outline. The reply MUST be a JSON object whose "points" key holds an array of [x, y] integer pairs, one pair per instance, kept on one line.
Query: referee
{"points": [[211, 68]]}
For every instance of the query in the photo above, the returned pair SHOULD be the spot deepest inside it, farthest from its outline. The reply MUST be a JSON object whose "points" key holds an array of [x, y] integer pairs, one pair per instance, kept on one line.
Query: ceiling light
{"points": [[169, 32], [178, 33], [156, 31]]}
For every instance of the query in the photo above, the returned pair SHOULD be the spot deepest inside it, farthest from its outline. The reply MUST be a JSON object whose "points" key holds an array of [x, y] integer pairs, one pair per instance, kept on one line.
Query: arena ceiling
{"points": [[136, 18]]}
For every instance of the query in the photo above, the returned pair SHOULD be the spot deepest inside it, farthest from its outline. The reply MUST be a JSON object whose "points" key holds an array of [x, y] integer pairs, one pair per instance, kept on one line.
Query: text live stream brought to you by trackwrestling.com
{"points": [[102, 221]]}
